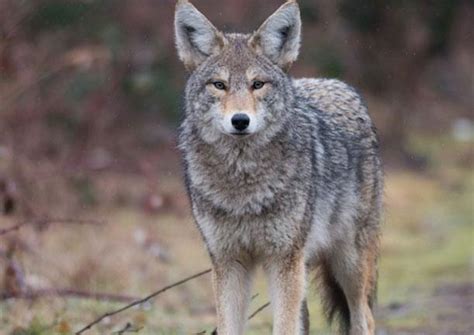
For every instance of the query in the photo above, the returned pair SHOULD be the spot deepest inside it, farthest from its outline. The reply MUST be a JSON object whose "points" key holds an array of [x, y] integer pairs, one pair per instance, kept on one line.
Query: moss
{"points": [[36, 327]]}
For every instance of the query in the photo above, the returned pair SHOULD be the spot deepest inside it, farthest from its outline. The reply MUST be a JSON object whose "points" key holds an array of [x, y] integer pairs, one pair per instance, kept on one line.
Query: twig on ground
{"points": [[69, 221], [11, 229], [258, 310], [46, 221], [40, 293], [140, 301], [129, 328], [254, 296]]}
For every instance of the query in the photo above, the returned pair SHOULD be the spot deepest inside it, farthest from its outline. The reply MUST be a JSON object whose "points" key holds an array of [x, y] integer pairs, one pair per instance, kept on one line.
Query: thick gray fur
{"points": [[308, 182]]}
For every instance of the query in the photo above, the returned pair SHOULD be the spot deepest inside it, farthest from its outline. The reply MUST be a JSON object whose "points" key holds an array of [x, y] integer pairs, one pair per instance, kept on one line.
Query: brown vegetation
{"points": [[92, 208]]}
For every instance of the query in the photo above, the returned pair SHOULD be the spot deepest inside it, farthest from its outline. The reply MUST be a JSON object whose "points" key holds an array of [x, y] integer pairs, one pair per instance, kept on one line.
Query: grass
{"points": [[427, 244]]}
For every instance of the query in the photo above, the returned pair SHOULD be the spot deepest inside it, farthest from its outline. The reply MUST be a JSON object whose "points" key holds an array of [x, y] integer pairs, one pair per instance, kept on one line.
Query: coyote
{"points": [[281, 172]]}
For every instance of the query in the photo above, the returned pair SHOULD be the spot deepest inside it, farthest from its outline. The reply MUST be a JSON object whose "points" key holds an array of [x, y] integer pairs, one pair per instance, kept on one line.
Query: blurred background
{"points": [[93, 212]]}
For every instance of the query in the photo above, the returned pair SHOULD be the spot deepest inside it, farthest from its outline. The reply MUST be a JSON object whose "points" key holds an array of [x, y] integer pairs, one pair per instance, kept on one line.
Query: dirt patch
{"points": [[448, 311]]}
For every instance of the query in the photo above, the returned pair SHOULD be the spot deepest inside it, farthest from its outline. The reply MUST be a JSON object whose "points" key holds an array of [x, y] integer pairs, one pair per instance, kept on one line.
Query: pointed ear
{"points": [[279, 37], [196, 37]]}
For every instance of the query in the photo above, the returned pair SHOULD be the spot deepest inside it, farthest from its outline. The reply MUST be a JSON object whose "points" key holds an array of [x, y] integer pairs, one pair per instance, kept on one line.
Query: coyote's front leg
{"points": [[287, 286], [232, 281]]}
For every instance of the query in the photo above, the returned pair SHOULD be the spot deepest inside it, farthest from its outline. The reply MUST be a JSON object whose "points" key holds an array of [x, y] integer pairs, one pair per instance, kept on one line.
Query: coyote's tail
{"points": [[334, 301]]}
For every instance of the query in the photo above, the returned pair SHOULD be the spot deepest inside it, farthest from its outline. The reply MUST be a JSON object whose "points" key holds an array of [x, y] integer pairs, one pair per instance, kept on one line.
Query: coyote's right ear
{"points": [[196, 37]]}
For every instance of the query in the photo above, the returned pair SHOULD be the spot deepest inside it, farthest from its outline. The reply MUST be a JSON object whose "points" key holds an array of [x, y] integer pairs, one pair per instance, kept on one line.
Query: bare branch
{"points": [[129, 328], [40, 293], [69, 221], [11, 229], [46, 221], [141, 301], [258, 310]]}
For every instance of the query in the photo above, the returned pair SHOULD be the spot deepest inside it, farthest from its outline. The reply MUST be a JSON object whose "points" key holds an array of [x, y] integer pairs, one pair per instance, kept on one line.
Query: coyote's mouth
{"points": [[240, 134]]}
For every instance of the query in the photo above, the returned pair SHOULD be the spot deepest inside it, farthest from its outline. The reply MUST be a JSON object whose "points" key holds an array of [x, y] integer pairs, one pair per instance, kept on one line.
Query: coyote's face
{"points": [[238, 86]]}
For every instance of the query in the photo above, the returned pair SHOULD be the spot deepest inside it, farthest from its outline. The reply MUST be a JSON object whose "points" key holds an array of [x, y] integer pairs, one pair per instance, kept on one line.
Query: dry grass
{"points": [[427, 245]]}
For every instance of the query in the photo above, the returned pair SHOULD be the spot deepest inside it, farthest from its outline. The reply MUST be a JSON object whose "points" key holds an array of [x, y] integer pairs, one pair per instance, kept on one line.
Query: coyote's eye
{"points": [[257, 84], [219, 85]]}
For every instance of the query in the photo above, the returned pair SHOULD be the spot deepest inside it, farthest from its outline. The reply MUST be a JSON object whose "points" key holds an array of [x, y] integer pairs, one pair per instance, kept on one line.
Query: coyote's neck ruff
{"points": [[240, 176], [280, 172]]}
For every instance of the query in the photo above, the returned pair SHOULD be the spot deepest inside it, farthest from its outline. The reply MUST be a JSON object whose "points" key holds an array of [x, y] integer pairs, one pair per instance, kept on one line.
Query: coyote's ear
{"points": [[279, 36], [196, 37]]}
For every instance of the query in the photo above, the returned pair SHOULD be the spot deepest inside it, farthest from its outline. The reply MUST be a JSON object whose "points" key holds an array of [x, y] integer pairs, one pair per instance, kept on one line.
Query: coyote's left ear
{"points": [[279, 36], [196, 37]]}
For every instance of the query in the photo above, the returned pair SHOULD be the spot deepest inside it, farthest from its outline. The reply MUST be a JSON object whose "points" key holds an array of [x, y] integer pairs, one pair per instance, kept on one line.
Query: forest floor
{"points": [[426, 264]]}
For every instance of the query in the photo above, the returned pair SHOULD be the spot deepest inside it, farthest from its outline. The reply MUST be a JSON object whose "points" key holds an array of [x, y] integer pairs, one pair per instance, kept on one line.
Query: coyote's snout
{"points": [[281, 172], [237, 110]]}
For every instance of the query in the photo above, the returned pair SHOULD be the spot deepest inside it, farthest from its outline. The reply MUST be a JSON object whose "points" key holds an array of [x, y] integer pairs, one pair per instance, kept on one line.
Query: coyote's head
{"points": [[238, 87]]}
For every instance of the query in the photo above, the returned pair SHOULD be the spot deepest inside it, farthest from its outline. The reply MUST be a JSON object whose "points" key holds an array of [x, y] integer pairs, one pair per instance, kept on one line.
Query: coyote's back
{"points": [[281, 172]]}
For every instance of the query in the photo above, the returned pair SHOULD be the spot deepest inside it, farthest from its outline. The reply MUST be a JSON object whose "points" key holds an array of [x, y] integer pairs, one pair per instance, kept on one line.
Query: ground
{"points": [[426, 263]]}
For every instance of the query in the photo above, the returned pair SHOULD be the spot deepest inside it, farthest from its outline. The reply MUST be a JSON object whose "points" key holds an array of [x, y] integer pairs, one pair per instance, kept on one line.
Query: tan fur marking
{"points": [[287, 279], [241, 101], [360, 301], [369, 282]]}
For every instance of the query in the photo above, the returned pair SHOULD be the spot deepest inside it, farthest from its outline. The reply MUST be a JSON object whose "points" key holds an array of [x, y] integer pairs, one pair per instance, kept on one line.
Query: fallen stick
{"points": [[11, 229], [140, 301], [47, 221], [258, 310], [41, 293]]}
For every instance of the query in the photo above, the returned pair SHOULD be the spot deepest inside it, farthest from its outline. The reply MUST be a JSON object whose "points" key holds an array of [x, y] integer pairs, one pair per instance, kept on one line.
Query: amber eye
{"points": [[219, 85], [257, 84]]}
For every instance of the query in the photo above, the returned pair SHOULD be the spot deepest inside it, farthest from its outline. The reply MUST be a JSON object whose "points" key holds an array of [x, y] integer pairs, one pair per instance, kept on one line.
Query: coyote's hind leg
{"points": [[356, 273]]}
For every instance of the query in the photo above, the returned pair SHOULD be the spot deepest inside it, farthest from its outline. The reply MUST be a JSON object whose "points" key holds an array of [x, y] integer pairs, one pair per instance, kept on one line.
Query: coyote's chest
{"points": [[241, 183], [253, 200]]}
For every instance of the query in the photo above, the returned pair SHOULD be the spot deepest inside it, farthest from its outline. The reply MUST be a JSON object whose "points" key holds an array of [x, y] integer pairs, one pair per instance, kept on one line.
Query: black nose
{"points": [[240, 121]]}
